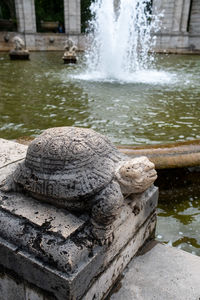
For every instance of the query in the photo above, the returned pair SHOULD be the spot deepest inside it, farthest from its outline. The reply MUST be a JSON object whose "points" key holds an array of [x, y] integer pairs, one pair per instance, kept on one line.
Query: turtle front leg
{"points": [[106, 207]]}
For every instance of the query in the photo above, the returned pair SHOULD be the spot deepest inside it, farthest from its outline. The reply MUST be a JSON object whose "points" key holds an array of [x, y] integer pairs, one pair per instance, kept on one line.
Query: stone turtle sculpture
{"points": [[81, 170], [19, 43]]}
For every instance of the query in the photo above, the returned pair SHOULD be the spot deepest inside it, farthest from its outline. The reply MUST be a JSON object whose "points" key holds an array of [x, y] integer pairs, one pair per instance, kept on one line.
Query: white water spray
{"points": [[120, 36]]}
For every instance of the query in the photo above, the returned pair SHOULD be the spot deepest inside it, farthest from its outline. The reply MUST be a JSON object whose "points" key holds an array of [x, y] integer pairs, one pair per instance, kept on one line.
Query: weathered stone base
{"points": [[52, 250], [19, 55], [107, 279], [12, 287], [180, 43], [27, 279], [70, 60], [177, 43]]}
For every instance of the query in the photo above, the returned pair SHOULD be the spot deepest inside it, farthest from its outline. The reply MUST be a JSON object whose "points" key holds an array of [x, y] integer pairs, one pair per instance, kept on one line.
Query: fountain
{"points": [[155, 107], [120, 38], [135, 113]]}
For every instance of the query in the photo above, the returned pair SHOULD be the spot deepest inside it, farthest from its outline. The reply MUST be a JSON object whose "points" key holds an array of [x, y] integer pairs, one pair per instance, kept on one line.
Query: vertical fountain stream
{"points": [[120, 39]]}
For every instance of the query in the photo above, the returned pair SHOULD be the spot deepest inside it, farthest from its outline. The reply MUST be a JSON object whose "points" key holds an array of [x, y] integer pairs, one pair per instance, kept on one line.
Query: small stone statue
{"points": [[19, 43], [81, 170], [19, 51], [70, 53]]}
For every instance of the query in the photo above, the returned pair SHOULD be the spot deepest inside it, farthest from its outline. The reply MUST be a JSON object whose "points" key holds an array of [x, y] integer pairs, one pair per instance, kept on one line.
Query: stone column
{"points": [[72, 16], [181, 15], [166, 8], [186, 15], [25, 13], [176, 14], [195, 18], [173, 34]]}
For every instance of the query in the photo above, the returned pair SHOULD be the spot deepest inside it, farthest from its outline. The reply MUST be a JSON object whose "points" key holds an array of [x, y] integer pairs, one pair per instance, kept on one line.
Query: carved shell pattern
{"points": [[68, 163]]}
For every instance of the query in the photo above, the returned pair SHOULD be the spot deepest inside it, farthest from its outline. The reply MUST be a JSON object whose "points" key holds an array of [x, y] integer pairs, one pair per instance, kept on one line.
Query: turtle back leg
{"points": [[8, 184], [106, 207]]}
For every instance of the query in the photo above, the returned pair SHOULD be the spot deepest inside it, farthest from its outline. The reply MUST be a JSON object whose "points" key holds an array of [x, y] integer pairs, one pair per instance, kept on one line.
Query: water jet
{"points": [[120, 38]]}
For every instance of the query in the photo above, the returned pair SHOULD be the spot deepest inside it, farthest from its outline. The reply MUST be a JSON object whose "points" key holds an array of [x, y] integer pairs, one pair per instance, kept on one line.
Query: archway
{"points": [[50, 15]]}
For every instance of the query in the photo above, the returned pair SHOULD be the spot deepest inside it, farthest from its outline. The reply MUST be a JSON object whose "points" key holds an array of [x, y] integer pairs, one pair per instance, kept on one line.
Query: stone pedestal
{"points": [[69, 59], [19, 55], [50, 253]]}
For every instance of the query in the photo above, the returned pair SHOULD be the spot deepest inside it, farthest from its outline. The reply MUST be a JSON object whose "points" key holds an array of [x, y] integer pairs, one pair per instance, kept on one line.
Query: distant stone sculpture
{"points": [[70, 53], [81, 170], [19, 43], [19, 51]]}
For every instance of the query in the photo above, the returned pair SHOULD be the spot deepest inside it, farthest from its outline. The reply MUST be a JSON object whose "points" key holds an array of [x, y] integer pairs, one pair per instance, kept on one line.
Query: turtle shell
{"points": [[67, 163]]}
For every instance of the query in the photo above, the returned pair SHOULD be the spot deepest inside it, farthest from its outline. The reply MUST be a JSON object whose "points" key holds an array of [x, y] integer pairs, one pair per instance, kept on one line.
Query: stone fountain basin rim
{"points": [[167, 156]]}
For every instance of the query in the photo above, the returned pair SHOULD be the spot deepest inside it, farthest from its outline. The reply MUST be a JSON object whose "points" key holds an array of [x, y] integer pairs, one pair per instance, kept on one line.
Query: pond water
{"points": [[151, 107]]}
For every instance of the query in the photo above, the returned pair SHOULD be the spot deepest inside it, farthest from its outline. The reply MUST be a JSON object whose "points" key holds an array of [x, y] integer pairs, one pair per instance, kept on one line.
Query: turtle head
{"points": [[136, 175]]}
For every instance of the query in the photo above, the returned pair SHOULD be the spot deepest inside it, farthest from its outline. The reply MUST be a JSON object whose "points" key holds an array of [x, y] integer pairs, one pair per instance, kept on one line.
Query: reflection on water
{"points": [[179, 208], [43, 92]]}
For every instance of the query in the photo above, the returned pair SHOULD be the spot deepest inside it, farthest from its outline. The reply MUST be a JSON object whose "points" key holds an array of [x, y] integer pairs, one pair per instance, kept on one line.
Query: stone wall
{"points": [[42, 41], [179, 33], [195, 17], [180, 26]]}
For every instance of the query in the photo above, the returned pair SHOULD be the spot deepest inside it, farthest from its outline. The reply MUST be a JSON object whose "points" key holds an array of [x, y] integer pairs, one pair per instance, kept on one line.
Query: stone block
{"points": [[70, 265], [58, 220], [75, 259], [30, 294], [9, 289], [102, 285]]}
